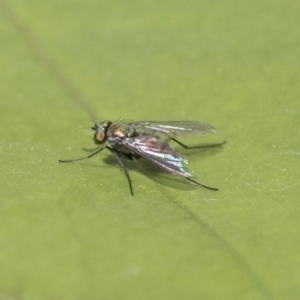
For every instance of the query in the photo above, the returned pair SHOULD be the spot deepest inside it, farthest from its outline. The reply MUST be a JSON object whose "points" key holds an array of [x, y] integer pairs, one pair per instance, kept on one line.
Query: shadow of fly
{"points": [[148, 139]]}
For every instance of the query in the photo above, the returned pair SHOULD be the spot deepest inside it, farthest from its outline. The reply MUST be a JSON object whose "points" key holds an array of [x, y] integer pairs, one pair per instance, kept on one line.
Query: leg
{"points": [[198, 183], [89, 150], [85, 157], [115, 154], [197, 147], [125, 155], [129, 156]]}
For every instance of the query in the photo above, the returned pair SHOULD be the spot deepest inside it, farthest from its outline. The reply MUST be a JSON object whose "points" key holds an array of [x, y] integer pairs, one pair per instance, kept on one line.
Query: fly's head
{"points": [[101, 131]]}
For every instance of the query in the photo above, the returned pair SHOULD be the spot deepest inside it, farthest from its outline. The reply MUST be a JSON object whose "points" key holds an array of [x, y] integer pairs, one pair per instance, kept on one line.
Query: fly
{"points": [[148, 139]]}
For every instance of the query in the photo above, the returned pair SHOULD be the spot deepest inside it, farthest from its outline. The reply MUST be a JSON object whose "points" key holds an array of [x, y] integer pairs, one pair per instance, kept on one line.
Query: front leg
{"points": [[116, 155]]}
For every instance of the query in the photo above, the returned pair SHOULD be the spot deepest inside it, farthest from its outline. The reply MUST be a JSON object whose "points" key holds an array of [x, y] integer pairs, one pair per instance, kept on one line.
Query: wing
{"points": [[174, 129], [159, 152]]}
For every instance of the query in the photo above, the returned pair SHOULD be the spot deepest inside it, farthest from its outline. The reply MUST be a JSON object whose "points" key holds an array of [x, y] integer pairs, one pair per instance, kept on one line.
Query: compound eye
{"points": [[100, 136]]}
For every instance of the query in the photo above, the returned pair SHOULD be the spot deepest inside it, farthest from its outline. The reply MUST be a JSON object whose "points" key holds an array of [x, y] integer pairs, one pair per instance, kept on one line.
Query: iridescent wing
{"points": [[173, 129], [159, 152]]}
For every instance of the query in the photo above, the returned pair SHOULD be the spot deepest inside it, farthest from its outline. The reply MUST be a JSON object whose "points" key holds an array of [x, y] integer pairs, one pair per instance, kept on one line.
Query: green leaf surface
{"points": [[73, 231]]}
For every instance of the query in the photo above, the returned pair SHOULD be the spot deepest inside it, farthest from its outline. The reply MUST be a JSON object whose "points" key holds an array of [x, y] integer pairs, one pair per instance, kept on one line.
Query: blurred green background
{"points": [[73, 231]]}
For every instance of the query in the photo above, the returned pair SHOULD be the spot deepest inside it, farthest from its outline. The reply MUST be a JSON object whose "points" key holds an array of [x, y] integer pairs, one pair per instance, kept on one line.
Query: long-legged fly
{"points": [[148, 139]]}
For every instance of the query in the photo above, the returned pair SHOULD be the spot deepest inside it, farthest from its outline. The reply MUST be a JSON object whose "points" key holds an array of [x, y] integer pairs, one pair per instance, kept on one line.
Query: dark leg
{"points": [[89, 150], [197, 147], [125, 155], [198, 183], [115, 154], [129, 156], [85, 157]]}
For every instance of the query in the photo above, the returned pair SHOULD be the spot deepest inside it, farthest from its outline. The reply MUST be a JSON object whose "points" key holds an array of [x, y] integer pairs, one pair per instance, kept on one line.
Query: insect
{"points": [[148, 139]]}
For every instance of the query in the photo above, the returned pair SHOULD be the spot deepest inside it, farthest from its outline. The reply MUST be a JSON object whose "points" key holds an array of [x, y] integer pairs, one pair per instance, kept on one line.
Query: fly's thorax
{"points": [[120, 130], [101, 131]]}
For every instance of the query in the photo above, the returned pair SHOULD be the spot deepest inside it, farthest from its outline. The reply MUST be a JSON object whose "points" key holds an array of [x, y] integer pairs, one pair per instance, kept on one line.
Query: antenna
{"points": [[47, 60]]}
